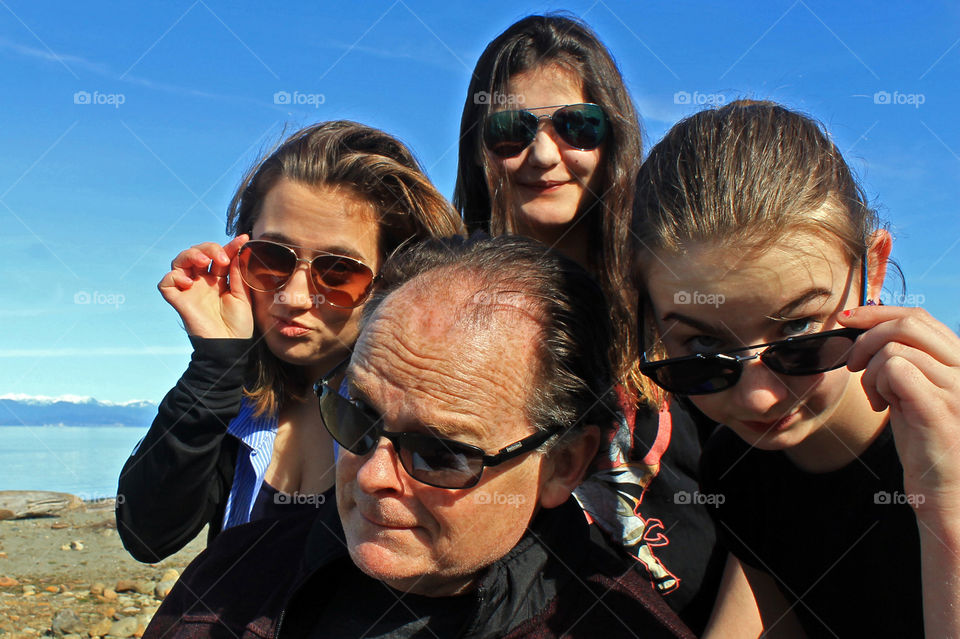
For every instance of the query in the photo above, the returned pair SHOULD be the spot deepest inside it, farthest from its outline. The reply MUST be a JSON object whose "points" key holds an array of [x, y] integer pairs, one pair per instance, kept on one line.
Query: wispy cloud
{"points": [[108, 351], [102, 70]]}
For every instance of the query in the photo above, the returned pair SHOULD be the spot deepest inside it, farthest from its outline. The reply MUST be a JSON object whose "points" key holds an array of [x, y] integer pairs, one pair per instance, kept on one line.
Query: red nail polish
{"points": [[846, 313]]}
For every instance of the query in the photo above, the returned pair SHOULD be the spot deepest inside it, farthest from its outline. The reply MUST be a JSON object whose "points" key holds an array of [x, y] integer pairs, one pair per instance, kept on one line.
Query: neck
{"points": [[846, 434], [570, 240]]}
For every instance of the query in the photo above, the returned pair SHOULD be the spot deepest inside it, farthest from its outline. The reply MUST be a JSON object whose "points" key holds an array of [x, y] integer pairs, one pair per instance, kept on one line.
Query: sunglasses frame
{"points": [[736, 361], [558, 107], [317, 255], [402, 440], [647, 366]]}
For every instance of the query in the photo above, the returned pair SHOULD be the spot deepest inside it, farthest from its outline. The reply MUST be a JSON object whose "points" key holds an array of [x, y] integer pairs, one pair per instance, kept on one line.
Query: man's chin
{"points": [[402, 575]]}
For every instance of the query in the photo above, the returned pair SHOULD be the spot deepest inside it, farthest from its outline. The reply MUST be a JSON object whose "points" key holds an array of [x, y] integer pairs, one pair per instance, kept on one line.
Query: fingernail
{"points": [[847, 313]]}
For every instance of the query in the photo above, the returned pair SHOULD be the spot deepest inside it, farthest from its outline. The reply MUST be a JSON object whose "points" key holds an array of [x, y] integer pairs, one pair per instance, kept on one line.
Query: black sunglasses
{"points": [[267, 266], [507, 133], [705, 373], [432, 460]]}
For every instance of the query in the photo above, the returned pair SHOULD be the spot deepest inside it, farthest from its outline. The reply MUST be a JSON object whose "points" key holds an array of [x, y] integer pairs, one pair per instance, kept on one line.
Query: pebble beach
{"points": [[69, 576]]}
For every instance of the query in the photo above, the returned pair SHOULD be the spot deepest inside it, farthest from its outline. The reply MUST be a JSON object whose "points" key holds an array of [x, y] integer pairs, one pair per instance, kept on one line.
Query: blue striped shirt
{"points": [[256, 435]]}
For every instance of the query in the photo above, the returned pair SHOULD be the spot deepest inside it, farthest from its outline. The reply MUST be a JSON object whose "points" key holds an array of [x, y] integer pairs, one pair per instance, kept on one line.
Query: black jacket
{"points": [[178, 478], [269, 578]]}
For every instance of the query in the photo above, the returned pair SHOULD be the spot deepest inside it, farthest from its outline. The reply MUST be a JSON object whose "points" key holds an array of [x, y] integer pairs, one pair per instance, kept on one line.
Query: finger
{"points": [[191, 260], [911, 393], [934, 372], [233, 246], [203, 255], [914, 328], [175, 279], [238, 288]]}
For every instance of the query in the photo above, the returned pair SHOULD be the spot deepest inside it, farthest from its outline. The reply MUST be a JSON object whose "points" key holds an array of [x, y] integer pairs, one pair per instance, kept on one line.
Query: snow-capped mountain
{"points": [[72, 410]]}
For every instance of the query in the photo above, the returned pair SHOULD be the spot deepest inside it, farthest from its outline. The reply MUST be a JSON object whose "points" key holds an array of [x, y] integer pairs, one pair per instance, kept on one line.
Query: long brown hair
{"points": [[535, 42], [376, 166]]}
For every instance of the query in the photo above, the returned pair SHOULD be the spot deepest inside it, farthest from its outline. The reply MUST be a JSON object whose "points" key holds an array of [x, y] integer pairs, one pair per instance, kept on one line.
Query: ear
{"points": [[878, 253], [563, 467]]}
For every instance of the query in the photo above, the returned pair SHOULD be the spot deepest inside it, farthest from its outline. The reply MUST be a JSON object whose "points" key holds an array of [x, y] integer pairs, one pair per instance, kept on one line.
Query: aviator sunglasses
{"points": [[435, 461], [705, 373], [507, 133], [267, 266]]}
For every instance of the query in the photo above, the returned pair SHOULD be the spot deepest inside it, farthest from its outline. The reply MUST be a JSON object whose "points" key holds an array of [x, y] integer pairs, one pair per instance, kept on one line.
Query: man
{"points": [[468, 413]]}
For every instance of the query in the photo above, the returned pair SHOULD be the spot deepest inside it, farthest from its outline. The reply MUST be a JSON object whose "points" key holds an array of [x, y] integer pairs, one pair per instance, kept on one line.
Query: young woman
{"points": [[836, 474], [239, 437], [550, 147]]}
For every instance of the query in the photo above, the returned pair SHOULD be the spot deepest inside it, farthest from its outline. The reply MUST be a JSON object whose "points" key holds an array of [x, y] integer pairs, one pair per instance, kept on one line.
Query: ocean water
{"points": [[81, 460]]}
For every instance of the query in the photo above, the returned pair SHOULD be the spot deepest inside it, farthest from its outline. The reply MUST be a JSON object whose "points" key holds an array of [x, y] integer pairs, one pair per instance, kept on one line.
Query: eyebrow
{"points": [[455, 431], [783, 313], [804, 298], [337, 249]]}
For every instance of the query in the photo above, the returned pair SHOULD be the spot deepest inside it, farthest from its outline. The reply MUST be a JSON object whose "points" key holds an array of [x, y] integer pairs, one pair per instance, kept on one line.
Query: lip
{"points": [[290, 328], [543, 186], [381, 522], [777, 426]]}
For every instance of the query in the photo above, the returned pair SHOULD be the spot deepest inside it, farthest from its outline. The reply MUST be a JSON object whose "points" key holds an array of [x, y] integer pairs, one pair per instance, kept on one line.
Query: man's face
{"points": [[424, 374]]}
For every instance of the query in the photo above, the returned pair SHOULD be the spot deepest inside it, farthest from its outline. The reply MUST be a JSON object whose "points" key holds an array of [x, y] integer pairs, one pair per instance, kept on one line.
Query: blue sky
{"points": [[127, 127]]}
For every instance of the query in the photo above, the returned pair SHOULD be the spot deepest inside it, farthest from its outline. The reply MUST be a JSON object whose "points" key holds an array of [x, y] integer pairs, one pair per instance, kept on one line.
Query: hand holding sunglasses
{"points": [[435, 461], [344, 282], [196, 286], [507, 133]]}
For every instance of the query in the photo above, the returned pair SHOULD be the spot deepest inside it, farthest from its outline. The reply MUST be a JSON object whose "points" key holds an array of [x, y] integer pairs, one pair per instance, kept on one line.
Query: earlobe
{"points": [[566, 466], [878, 253]]}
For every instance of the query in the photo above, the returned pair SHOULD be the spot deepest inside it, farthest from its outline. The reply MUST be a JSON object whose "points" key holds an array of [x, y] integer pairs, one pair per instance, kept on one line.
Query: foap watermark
{"points": [[902, 299], [699, 99], [101, 500], [699, 499], [498, 99], [698, 298], [99, 298], [299, 99], [299, 299], [898, 98], [896, 498], [485, 497], [108, 99], [499, 298], [282, 498]]}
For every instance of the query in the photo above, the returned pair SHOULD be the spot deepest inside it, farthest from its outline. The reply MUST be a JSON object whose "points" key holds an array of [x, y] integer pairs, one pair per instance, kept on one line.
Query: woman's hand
{"points": [[911, 364], [197, 287]]}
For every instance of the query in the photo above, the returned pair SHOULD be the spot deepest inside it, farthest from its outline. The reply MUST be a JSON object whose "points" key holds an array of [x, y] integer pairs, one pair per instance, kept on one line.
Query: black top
{"points": [[178, 478], [384, 613], [643, 494], [271, 503], [843, 546]]}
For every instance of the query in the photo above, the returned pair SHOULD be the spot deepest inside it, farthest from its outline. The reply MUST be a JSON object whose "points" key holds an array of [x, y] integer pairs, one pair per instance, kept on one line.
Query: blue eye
{"points": [[792, 328], [703, 344]]}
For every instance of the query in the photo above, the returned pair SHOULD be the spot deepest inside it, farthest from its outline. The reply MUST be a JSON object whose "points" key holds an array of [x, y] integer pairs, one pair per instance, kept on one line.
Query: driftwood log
{"points": [[22, 504]]}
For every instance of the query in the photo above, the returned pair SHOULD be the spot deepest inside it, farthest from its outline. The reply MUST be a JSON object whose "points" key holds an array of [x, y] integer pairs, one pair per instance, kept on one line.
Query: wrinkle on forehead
{"points": [[450, 348]]}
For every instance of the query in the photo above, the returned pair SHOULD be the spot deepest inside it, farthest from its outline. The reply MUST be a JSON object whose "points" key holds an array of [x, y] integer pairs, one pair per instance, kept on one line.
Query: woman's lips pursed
{"points": [[289, 328]]}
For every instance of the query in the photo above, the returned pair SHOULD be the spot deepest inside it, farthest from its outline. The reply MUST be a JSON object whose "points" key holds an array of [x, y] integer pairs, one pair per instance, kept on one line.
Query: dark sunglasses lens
{"points": [[352, 427], [344, 282], [697, 376], [439, 462], [507, 133], [581, 125], [809, 356], [266, 266]]}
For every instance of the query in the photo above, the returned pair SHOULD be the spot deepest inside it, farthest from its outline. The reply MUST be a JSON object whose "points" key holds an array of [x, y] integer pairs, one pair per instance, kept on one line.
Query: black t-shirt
{"points": [[395, 614], [842, 546]]}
